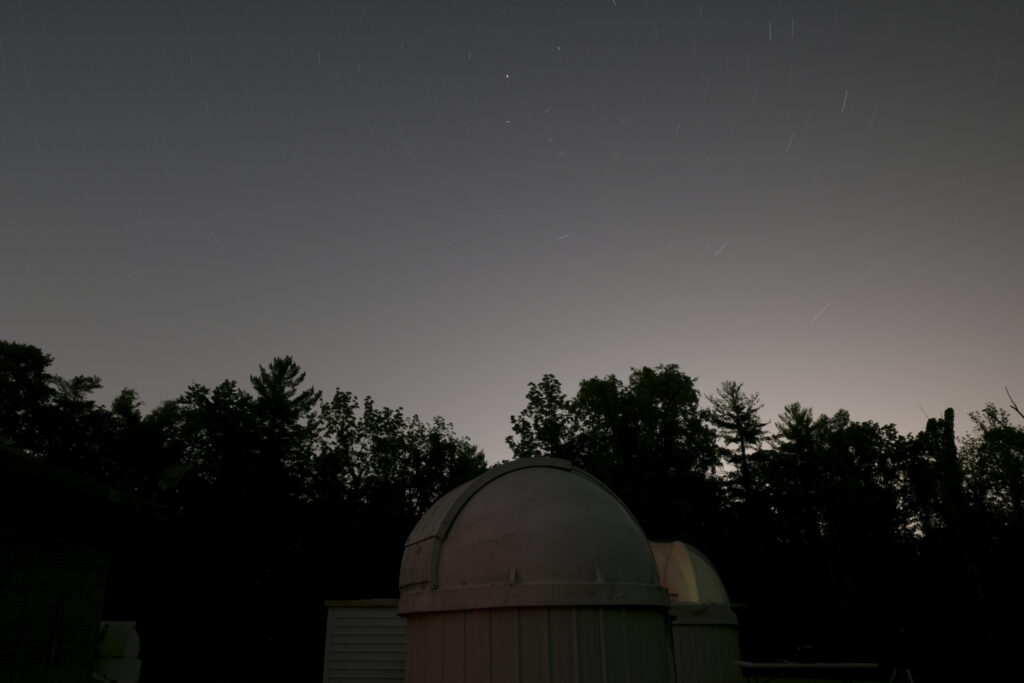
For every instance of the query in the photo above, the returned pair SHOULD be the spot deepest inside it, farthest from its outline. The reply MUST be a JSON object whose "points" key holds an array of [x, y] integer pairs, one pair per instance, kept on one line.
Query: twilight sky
{"points": [[436, 202]]}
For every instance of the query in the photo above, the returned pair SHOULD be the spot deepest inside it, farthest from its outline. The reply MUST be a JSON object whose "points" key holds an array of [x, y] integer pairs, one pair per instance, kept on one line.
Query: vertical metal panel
{"points": [[478, 642], [706, 653], [637, 646], [616, 645], [417, 646], [453, 646], [540, 645], [535, 655], [434, 640], [565, 658], [504, 646], [365, 642], [589, 644], [650, 647]]}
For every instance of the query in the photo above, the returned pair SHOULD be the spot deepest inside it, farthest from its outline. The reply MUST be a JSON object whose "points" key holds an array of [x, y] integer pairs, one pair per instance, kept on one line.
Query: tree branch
{"points": [[1013, 404]]}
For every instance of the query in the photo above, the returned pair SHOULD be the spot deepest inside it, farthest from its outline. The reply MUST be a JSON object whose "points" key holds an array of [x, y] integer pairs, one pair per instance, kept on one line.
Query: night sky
{"points": [[436, 203]]}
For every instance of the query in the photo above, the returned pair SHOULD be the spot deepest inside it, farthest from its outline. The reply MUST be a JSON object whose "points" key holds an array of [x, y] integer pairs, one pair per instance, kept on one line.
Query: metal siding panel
{"points": [[670, 654], [453, 647], [590, 645], [712, 653], [478, 646], [364, 644], [533, 645], [546, 645], [706, 654], [562, 644], [505, 646], [328, 646], [421, 665], [645, 645], [651, 648], [686, 653], [683, 650], [635, 645], [415, 660], [637, 637], [727, 646], [616, 660], [433, 671]]}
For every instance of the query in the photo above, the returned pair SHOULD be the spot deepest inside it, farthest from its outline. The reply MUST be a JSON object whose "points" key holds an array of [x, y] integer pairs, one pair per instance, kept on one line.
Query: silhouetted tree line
{"points": [[837, 539], [279, 498]]}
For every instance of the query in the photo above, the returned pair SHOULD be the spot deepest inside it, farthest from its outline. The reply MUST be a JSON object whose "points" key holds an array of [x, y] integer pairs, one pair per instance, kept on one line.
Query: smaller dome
{"points": [[696, 594], [532, 532], [688, 574]]}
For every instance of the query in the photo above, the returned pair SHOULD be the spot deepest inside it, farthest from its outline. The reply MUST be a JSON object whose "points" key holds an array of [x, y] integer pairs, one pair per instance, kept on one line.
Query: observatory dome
{"points": [[688, 574], [532, 532]]}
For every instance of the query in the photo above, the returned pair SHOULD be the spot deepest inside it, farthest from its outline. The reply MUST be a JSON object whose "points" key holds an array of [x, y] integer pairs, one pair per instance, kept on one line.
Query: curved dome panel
{"points": [[687, 574], [532, 532]]}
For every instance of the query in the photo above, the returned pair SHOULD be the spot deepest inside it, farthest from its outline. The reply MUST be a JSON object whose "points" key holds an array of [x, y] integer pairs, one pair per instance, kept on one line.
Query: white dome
{"points": [[535, 531], [687, 574]]}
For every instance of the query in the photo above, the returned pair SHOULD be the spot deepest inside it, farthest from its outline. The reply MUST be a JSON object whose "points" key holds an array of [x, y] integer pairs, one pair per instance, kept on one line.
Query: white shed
{"points": [[365, 642]]}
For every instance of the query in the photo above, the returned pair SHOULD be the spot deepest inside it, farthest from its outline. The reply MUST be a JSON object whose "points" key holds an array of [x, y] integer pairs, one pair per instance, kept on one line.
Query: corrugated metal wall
{"points": [[365, 642], [540, 645], [706, 653]]}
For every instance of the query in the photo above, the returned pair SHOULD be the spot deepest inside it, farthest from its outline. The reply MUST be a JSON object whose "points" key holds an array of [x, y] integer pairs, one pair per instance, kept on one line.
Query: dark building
{"points": [[62, 538]]}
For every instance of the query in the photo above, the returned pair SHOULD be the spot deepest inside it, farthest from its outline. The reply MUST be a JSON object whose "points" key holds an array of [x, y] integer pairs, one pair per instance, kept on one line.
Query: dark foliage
{"points": [[837, 539], [280, 501]]}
